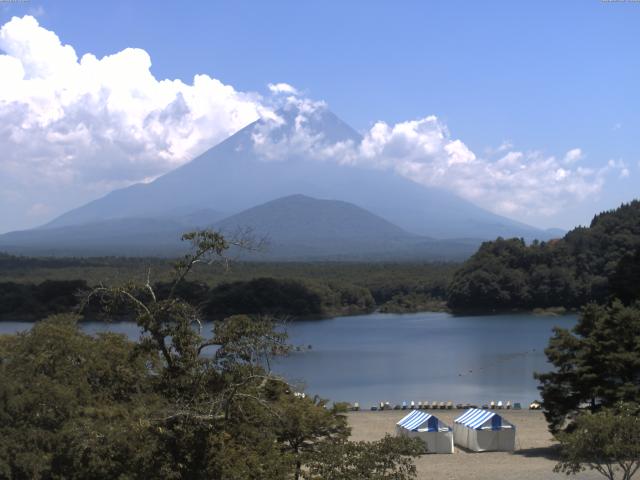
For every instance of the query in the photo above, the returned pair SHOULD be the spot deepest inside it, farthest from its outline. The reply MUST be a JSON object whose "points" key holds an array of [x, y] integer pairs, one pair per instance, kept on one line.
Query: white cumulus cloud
{"points": [[512, 183], [505, 180], [573, 155], [94, 124], [85, 118], [283, 88], [73, 128]]}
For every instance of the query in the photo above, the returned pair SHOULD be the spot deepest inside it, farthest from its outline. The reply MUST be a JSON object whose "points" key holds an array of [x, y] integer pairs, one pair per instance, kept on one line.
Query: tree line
{"points": [[286, 298], [591, 264], [290, 290]]}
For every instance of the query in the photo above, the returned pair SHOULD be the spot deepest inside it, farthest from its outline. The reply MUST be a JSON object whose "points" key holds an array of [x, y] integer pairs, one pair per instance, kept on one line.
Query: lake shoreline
{"points": [[542, 312]]}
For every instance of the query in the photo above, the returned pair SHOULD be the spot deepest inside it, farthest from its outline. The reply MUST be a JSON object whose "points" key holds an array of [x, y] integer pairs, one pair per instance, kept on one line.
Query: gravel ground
{"points": [[534, 457]]}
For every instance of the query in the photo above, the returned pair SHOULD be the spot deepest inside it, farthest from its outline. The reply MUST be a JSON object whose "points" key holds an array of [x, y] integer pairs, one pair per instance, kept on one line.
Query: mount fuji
{"points": [[258, 165]]}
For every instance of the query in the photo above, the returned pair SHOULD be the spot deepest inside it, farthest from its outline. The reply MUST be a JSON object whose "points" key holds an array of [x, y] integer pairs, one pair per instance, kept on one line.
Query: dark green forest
{"points": [[31, 288], [28, 301], [590, 264]]}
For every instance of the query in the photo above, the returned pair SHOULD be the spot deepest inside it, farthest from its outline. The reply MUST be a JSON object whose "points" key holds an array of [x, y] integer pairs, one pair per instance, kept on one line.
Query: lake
{"points": [[422, 356]]}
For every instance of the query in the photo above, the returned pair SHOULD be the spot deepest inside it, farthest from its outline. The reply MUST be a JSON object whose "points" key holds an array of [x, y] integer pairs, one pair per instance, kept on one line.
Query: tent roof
{"points": [[423, 421], [477, 418]]}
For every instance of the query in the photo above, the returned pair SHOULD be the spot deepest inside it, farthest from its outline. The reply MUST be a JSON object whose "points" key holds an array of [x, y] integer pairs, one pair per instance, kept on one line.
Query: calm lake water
{"points": [[423, 356]]}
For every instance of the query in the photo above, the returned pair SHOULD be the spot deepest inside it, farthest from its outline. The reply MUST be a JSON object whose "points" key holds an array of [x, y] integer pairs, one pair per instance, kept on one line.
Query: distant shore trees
{"points": [[590, 264]]}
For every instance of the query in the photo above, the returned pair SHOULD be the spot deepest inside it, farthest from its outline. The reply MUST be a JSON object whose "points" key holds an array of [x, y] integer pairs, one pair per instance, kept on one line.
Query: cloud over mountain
{"points": [[508, 181], [73, 128], [99, 123]]}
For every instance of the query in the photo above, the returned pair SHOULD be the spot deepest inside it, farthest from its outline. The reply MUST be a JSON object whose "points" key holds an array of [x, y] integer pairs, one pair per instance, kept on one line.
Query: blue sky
{"points": [[542, 76]]}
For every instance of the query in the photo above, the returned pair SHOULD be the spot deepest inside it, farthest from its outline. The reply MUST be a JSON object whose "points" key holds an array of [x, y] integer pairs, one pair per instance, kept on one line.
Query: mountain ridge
{"points": [[234, 175], [239, 174], [298, 227]]}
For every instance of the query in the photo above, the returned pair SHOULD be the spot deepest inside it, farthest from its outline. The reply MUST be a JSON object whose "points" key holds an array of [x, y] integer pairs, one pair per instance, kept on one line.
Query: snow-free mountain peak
{"points": [[274, 158]]}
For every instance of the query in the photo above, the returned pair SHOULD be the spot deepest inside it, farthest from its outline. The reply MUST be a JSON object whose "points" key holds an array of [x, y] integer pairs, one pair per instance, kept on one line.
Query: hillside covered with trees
{"points": [[590, 264]]}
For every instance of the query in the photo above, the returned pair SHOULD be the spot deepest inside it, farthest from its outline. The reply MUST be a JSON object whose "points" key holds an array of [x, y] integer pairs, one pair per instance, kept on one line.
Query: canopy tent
{"points": [[484, 430], [436, 435]]}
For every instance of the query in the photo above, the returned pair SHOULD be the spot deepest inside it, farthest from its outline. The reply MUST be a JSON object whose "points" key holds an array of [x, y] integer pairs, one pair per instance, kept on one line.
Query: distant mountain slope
{"points": [[297, 227], [302, 219], [300, 227], [124, 236], [234, 176], [118, 236]]}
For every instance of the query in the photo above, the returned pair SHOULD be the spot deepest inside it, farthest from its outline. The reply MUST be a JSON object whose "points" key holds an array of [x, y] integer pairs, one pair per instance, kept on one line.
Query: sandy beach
{"points": [[534, 457]]}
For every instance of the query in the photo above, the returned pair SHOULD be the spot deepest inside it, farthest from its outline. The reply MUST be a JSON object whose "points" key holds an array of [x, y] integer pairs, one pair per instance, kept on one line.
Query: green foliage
{"points": [[306, 425], [390, 458], [19, 301], [607, 442], [413, 302], [178, 404], [284, 297], [72, 405], [597, 363], [625, 281], [507, 274], [294, 290]]}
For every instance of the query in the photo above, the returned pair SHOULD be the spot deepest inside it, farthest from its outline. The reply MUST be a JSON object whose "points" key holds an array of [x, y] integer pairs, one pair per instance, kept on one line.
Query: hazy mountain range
{"points": [[309, 209]]}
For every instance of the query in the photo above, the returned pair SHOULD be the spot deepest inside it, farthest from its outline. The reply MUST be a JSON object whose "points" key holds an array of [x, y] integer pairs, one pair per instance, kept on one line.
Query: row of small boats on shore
{"points": [[493, 405]]}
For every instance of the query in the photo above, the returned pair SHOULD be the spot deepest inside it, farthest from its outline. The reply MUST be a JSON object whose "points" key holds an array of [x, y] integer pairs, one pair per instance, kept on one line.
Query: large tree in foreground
{"points": [[607, 442], [181, 403], [76, 406], [597, 363]]}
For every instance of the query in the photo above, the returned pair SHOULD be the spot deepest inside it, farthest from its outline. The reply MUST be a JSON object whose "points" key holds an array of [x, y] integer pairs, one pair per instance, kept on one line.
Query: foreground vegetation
{"points": [[179, 403], [591, 399], [607, 441], [597, 363]]}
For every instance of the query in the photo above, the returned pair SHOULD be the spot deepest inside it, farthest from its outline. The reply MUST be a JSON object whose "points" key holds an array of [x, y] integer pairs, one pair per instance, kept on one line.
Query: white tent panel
{"points": [[437, 436], [482, 430]]}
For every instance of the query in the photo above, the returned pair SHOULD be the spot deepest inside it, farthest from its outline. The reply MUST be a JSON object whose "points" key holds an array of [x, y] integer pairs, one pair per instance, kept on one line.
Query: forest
{"points": [[590, 264], [31, 288]]}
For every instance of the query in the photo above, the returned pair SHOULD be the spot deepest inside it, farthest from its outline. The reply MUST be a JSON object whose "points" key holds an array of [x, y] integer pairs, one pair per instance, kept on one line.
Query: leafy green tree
{"points": [[597, 363], [215, 403], [625, 282], [73, 405], [607, 442], [306, 424], [390, 458]]}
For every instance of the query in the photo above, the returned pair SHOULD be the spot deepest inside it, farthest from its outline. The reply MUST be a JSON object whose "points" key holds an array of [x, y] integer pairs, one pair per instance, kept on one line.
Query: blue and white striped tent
{"points": [[437, 436], [483, 430]]}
